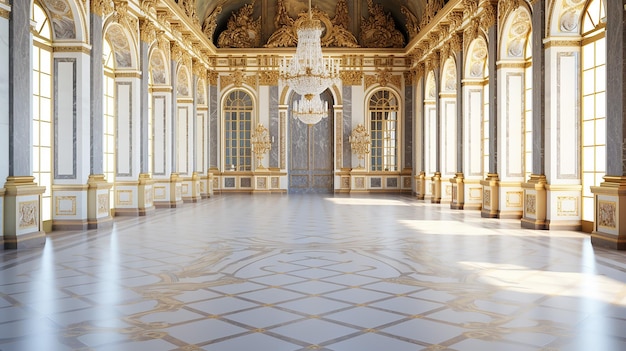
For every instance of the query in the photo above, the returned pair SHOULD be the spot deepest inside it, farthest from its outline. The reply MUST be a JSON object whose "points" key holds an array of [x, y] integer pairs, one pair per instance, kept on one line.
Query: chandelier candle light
{"points": [[308, 72], [261, 144]]}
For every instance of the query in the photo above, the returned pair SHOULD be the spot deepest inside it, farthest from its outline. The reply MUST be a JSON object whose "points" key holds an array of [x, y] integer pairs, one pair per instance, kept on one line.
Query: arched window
{"points": [[238, 109], [42, 106], [109, 116], [593, 102], [383, 113]]}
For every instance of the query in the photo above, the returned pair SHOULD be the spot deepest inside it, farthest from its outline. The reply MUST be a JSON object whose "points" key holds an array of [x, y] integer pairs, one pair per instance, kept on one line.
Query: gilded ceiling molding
{"points": [[242, 31], [420, 68], [471, 32], [189, 8], [335, 35], [148, 6], [210, 23], [470, 7], [147, 31], [74, 48], [456, 20], [412, 25], [445, 51], [162, 42], [379, 29], [268, 78], [198, 69], [121, 11], [432, 7], [101, 8], [351, 77], [408, 77]]}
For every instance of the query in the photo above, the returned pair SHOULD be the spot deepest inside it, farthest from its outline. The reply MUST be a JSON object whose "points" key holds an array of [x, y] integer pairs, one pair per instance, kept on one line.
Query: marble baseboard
{"points": [[25, 241], [79, 224]]}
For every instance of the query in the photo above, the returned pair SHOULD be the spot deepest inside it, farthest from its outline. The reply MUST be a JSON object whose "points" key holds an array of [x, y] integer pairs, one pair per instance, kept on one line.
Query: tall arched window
{"points": [[42, 107], [109, 117], [383, 112], [238, 109], [593, 102]]}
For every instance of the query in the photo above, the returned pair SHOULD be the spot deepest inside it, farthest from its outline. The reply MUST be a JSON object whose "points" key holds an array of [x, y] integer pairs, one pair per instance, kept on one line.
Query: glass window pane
{"points": [[588, 82], [588, 159], [600, 158]]}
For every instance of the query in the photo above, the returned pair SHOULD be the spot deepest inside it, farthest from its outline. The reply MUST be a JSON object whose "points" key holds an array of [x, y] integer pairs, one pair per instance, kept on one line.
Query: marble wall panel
{"points": [[97, 80], [124, 130], [274, 127], [65, 118], [159, 130], [4, 103], [408, 126], [347, 125], [567, 116], [213, 127], [514, 125]]}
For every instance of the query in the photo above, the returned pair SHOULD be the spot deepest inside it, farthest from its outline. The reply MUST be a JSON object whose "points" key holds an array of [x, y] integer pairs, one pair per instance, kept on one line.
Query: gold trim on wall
{"points": [[81, 49], [28, 214], [561, 211], [57, 206], [607, 214]]}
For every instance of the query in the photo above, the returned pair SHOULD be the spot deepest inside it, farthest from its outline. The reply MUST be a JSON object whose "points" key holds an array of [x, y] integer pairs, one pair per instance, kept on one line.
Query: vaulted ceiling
{"points": [[266, 11]]}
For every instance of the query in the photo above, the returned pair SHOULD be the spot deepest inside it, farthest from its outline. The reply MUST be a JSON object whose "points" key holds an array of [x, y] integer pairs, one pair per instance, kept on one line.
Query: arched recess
{"points": [[239, 115], [430, 130], [67, 20], [383, 106], [159, 112], [184, 123], [123, 45], [565, 17], [449, 126]]}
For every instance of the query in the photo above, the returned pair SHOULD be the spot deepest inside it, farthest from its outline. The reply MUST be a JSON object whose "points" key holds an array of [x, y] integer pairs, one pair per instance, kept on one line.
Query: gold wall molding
{"points": [[5, 12], [531, 203], [103, 203], [60, 209], [147, 31], [562, 43], [607, 214], [71, 49], [101, 8], [488, 17], [567, 206], [28, 214], [268, 78], [514, 65], [238, 78], [133, 74]]}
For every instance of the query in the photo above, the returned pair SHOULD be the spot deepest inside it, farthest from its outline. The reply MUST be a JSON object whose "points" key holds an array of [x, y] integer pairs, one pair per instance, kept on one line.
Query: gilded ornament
{"points": [[351, 77], [456, 42], [148, 5], [379, 29], [210, 23], [340, 24], [470, 7], [242, 30], [432, 7], [284, 35], [488, 16], [268, 78], [505, 7], [408, 77], [419, 70], [213, 75], [101, 8], [189, 8], [121, 10], [456, 19], [147, 31], [177, 51], [412, 25]]}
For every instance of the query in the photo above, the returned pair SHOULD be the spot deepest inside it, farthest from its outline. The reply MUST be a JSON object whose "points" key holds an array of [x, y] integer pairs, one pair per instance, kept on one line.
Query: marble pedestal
{"points": [[458, 192], [436, 184], [491, 196], [22, 213], [98, 206], [609, 228], [2, 219], [535, 203], [168, 192], [358, 180], [69, 207], [473, 194], [420, 185], [191, 188]]}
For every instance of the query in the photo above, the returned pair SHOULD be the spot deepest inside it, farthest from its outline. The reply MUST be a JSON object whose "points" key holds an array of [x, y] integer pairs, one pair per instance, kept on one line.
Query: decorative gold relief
{"points": [[179, 191], [570, 15], [488, 16], [567, 205], [238, 78], [65, 206], [448, 190], [531, 203], [359, 182], [189, 7], [268, 78], [607, 214], [101, 8], [275, 182], [210, 23], [28, 212], [336, 31], [518, 33], [514, 198], [345, 182], [406, 182], [185, 188], [412, 25], [351, 77], [149, 196], [103, 203], [383, 77], [487, 197], [432, 7], [261, 183], [242, 31], [379, 29]]}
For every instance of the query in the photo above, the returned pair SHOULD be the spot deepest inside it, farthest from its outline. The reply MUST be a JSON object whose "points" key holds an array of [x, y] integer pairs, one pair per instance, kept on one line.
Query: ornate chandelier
{"points": [[311, 109], [308, 72]]}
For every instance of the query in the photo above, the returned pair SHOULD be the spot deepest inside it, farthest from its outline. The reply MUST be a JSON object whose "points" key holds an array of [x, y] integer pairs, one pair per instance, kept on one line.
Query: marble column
{"points": [[610, 197], [4, 112], [436, 177], [98, 206], [145, 185], [458, 185], [535, 199], [420, 160], [22, 197], [490, 207]]}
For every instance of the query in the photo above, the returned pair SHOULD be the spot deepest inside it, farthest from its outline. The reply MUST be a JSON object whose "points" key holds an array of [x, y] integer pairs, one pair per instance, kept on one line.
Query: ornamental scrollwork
{"points": [[379, 29], [242, 31]]}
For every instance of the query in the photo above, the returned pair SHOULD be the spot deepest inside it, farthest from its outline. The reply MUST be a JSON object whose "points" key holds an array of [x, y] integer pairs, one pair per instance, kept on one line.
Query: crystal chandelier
{"points": [[308, 72], [311, 109]]}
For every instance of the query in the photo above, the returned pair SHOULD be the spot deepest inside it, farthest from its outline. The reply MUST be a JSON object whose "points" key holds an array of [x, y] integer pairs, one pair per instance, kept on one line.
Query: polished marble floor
{"points": [[313, 272]]}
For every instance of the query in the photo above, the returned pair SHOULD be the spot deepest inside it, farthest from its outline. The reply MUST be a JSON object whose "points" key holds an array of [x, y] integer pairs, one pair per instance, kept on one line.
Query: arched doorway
{"points": [[311, 152]]}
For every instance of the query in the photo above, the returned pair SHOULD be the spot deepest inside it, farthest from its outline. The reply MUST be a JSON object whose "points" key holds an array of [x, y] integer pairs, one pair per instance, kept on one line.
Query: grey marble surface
{"points": [[20, 98], [274, 127], [174, 115], [143, 108], [408, 127], [213, 123], [4, 100], [616, 89], [347, 125], [97, 112]]}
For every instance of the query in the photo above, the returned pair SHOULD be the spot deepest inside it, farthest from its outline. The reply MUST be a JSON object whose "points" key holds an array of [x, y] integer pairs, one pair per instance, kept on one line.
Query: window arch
{"points": [[238, 110], [593, 102], [383, 111], [42, 106]]}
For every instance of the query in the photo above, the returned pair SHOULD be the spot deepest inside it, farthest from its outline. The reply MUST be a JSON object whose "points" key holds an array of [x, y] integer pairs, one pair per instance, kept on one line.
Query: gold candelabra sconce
{"points": [[261, 143], [360, 142]]}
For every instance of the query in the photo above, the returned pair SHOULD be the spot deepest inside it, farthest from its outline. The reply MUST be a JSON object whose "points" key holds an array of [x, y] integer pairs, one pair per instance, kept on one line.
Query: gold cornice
{"points": [[122, 74], [351, 77], [504, 64], [69, 187], [562, 43], [101, 8], [5, 13], [160, 89], [81, 49]]}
